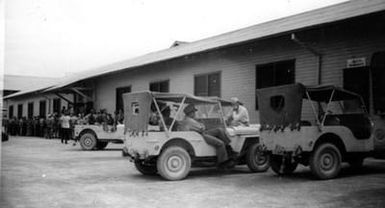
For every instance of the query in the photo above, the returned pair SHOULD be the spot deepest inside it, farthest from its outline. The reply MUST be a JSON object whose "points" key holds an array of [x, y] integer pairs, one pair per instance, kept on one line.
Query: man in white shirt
{"points": [[239, 116], [66, 128]]}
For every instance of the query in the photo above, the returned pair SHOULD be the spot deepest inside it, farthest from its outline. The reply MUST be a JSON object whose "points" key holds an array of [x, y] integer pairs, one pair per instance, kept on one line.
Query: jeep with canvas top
{"points": [[166, 149], [339, 130]]}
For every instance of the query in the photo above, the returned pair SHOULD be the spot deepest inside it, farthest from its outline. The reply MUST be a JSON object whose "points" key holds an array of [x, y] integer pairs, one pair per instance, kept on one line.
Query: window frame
{"points": [[208, 94], [159, 83], [273, 70]]}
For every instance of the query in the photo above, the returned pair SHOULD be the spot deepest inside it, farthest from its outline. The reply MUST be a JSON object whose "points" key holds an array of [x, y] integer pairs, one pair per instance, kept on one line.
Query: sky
{"points": [[55, 38]]}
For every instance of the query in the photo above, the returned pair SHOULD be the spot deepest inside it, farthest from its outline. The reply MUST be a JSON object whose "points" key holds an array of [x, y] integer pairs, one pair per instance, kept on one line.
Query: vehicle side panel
{"points": [[100, 133], [150, 144], [306, 138]]}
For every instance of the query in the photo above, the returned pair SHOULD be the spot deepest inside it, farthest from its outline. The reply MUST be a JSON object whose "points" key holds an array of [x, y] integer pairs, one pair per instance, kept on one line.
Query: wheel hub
{"points": [[327, 161], [174, 163]]}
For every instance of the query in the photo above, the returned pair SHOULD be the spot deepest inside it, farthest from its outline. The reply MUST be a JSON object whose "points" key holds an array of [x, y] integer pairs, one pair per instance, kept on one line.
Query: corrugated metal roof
{"points": [[27, 84], [297, 22], [21, 83]]}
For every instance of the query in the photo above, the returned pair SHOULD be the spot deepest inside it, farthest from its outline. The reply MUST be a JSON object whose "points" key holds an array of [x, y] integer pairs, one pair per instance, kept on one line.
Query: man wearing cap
{"points": [[215, 137], [239, 116]]}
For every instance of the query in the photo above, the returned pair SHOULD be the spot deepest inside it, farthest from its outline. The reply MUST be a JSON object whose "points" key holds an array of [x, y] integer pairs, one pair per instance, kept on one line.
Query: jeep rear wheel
{"points": [[325, 162], [282, 166], [174, 163], [88, 141], [145, 169], [256, 159]]}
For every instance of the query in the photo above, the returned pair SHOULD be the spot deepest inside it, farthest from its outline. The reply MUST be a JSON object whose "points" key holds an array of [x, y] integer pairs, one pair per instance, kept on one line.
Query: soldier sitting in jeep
{"points": [[215, 137]]}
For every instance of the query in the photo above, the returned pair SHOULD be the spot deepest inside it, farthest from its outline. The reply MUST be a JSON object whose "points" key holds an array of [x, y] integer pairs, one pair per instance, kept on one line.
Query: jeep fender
{"points": [[180, 143]]}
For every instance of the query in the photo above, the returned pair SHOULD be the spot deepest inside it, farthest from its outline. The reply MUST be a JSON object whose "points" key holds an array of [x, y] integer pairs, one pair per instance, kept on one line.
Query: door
{"points": [[119, 99], [378, 114]]}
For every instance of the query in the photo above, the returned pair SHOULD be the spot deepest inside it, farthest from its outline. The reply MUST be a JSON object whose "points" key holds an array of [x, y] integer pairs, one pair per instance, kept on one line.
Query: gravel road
{"points": [[38, 172]]}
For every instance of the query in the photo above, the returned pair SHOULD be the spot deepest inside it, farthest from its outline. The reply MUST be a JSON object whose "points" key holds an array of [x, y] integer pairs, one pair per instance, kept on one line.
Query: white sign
{"points": [[356, 62]]}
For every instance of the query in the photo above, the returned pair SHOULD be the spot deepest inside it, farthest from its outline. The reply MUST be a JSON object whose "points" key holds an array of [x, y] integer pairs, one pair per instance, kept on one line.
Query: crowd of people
{"points": [[59, 125]]}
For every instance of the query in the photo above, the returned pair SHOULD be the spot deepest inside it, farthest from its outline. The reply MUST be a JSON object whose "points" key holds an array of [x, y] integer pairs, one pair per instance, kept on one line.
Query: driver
{"points": [[215, 137]]}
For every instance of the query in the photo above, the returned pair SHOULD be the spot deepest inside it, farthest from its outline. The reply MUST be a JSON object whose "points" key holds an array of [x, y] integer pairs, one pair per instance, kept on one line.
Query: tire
{"points": [[325, 161], [88, 141], [256, 159], [101, 145], [282, 169], [356, 162], [174, 163], [145, 169]]}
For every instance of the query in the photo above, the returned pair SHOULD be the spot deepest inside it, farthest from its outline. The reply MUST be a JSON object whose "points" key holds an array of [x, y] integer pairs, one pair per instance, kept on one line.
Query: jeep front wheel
{"points": [[88, 141], [256, 159], [174, 163], [325, 161], [145, 169], [282, 166]]}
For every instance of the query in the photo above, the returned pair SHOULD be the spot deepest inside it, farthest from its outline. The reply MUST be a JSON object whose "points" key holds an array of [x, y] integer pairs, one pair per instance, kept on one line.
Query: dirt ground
{"points": [[45, 173]]}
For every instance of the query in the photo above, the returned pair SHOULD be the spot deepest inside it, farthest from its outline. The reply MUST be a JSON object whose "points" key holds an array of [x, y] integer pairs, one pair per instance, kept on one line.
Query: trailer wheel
{"points": [[325, 161], [101, 145], [256, 159], [88, 141], [145, 169], [174, 163], [281, 167]]}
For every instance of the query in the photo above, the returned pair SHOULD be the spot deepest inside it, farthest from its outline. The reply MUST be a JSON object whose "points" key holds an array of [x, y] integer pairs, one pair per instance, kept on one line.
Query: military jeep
{"points": [[166, 149], [97, 137], [339, 129]]}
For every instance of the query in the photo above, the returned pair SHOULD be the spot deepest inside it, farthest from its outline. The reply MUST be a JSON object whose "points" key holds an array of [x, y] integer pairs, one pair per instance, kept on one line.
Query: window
{"points": [[19, 110], [119, 99], [42, 109], [274, 74], [162, 86], [208, 84], [56, 105], [30, 110], [277, 102], [135, 108], [10, 113]]}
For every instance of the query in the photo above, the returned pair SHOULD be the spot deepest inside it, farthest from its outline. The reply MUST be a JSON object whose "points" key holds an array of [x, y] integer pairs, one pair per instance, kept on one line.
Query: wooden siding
{"points": [[237, 65]]}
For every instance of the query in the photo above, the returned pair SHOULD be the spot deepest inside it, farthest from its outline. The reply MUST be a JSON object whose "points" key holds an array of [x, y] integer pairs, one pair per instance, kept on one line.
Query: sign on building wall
{"points": [[356, 62]]}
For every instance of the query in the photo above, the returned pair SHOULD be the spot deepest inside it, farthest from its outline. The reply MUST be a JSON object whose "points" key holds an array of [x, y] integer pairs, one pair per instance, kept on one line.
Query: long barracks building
{"points": [[343, 44]]}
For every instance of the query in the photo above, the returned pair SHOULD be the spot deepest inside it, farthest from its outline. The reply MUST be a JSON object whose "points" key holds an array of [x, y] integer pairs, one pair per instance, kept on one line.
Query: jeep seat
{"points": [[359, 124]]}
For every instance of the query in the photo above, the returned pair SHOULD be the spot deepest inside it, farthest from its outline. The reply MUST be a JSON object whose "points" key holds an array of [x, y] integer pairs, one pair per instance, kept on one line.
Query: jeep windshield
{"points": [[148, 109]]}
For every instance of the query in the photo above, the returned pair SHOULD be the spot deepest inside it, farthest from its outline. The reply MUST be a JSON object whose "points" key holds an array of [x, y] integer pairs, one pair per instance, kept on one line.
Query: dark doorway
{"points": [[42, 109], [378, 77], [30, 110], [357, 80], [119, 99], [19, 110], [56, 105]]}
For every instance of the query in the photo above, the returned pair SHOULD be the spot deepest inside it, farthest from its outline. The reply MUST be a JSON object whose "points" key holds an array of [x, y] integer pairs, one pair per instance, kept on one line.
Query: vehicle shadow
{"points": [[369, 168]]}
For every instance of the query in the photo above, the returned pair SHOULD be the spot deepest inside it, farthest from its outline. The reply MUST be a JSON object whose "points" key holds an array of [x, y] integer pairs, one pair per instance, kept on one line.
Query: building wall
{"points": [[336, 43], [24, 100]]}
